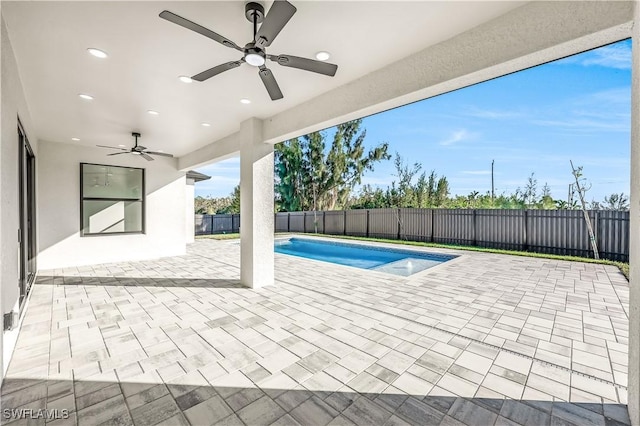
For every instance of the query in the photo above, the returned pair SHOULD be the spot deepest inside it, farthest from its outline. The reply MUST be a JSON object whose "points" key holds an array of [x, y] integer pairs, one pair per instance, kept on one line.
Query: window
{"points": [[111, 200]]}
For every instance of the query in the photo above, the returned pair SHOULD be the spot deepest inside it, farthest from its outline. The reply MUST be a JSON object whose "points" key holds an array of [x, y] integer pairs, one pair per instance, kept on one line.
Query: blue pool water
{"points": [[393, 261]]}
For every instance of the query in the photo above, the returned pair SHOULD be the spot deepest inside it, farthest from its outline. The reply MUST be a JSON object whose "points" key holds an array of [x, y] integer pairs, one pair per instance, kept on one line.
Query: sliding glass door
{"points": [[27, 231]]}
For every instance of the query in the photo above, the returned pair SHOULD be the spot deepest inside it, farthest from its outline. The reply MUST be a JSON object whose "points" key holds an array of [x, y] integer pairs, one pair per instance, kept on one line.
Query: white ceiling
{"points": [[147, 54]]}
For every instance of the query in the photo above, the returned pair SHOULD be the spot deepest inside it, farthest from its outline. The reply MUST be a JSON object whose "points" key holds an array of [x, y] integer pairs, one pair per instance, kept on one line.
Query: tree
{"points": [[442, 192], [404, 194], [310, 177], [428, 191], [370, 198], [582, 189], [546, 200], [616, 202], [530, 194], [289, 186], [234, 203], [209, 205]]}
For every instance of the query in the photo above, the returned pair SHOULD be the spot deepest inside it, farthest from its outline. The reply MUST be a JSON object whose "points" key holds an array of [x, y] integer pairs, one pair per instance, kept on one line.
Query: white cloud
{"points": [[611, 97], [587, 125], [493, 114], [457, 136], [613, 56]]}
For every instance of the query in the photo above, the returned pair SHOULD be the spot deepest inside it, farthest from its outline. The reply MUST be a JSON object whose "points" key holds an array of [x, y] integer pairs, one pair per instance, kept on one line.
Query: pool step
{"points": [[406, 267]]}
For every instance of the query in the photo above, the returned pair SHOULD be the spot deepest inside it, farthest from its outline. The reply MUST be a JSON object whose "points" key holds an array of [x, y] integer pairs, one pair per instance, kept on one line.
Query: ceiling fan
{"points": [[254, 52], [137, 149]]}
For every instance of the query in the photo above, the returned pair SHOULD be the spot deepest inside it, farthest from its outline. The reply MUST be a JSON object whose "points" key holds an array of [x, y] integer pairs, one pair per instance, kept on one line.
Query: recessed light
{"points": [[245, 101], [160, 150], [323, 56], [206, 124], [185, 79], [86, 97], [152, 112], [122, 146], [75, 139], [97, 53]]}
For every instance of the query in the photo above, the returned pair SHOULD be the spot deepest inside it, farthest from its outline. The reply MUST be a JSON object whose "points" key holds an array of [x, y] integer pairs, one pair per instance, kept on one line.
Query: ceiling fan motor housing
{"points": [[252, 9]]}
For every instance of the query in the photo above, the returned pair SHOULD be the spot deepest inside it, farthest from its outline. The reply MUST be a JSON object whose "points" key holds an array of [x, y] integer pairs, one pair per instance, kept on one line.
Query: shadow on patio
{"points": [[124, 281], [124, 403]]}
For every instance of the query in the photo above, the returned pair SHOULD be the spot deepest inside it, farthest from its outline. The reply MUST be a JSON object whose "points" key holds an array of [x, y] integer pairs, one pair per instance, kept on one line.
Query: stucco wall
{"points": [[190, 226], [13, 106], [59, 206]]}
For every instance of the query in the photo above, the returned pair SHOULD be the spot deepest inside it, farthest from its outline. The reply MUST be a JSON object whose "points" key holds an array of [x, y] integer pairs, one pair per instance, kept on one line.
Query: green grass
{"points": [[218, 237], [624, 267]]}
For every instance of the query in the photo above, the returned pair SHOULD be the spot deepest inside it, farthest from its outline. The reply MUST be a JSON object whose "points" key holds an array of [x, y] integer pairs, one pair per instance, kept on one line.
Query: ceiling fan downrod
{"points": [[254, 13]]}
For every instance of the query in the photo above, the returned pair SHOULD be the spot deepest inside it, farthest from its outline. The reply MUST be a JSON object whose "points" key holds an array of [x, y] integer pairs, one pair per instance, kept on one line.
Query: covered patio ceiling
{"points": [[147, 54]]}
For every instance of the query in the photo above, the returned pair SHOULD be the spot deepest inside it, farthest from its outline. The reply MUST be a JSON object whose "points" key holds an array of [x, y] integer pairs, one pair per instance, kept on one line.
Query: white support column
{"points": [[190, 211], [256, 206], [634, 237]]}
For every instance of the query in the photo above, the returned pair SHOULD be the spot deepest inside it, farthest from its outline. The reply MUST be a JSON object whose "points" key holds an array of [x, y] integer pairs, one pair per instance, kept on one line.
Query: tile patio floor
{"points": [[484, 339]]}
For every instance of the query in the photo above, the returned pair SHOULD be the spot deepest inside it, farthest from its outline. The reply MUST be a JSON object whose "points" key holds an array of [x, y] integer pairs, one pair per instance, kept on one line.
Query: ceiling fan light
{"points": [[75, 139], [254, 59]]}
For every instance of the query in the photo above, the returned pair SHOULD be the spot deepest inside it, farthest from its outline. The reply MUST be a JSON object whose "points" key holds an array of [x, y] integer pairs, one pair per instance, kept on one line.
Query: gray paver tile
{"points": [[314, 411], [264, 411], [208, 412], [138, 325], [523, 414], [415, 411], [155, 412], [364, 412], [577, 415], [469, 413], [146, 396], [112, 410]]}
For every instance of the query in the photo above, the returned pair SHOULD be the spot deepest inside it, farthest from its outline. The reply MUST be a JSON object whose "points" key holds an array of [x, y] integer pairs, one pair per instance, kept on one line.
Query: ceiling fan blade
{"points": [[118, 153], [305, 64], [279, 14], [172, 17], [211, 72], [145, 156], [112, 147], [270, 83], [158, 153]]}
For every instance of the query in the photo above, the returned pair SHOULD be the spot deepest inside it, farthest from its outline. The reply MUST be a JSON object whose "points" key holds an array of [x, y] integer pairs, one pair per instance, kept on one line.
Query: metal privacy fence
{"points": [[561, 232]]}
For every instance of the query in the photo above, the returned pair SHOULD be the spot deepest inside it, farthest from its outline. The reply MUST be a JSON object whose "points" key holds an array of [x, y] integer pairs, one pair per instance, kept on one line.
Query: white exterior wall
{"points": [[13, 106], [60, 242], [634, 234]]}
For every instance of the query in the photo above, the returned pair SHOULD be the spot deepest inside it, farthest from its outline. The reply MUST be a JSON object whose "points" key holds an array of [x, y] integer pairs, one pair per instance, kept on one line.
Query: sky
{"points": [[532, 121]]}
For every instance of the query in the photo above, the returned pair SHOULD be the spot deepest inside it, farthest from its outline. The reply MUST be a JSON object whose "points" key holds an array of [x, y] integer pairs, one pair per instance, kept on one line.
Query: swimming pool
{"points": [[382, 259]]}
